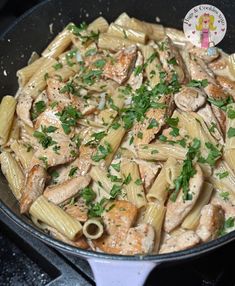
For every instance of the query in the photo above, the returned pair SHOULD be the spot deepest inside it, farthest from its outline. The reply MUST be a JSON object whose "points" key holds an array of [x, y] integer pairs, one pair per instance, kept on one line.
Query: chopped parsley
{"points": [[96, 137], [224, 195], [68, 87], [44, 160], [213, 156], [82, 33], [91, 76], [90, 52], [54, 175], [57, 66], [231, 113], [172, 61], [138, 182], [102, 153], [68, 117], [115, 125], [221, 103], [198, 83], [222, 175], [229, 223], [127, 180], [100, 63], [153, 123], [97, 209], [43, 138], [88, 195], [140, 135], [115, 191], [38, 108], [187, 172], [231, 132], [116, 166], [73, 171]]}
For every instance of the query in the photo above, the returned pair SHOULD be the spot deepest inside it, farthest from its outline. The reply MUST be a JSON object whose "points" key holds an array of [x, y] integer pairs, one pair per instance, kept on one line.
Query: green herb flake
{"points": [[140, 135], [115, 191], [127, 179], [100, 63], [39, 107], [222, 175], [224, 195], [231, 132], [116, 166], [198, 83], [73, 171], [138, 182], [57, 66], [88, 195], [153, 123]]}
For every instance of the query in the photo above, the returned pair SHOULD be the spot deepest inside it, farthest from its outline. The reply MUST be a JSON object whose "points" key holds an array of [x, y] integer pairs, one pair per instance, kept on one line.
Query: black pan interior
{"points": [[32, 33]]}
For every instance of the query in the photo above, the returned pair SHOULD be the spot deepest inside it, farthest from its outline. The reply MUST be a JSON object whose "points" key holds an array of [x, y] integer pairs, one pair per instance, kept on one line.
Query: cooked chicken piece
{"points": [[157, 114], [135, 81], [79, 210], [220, 116], [202, 53], [211, 121], [48, 157], [119, 68], [60, 193], [218, 64], [54, 93], [34, 187], [148, 172], [227, 85], [179, 242], [189, 98], [80, 242], [199, 72], [23, 108], [49, 118], [171, 60], [211, 221], [226, 205], [178, 210], [117, 222], [139, 240]]}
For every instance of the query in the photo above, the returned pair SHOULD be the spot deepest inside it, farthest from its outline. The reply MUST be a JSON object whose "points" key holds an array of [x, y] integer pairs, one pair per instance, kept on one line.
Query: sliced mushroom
{"points": [[211, 221], [34, 187], [189, 99], [178, 210]]}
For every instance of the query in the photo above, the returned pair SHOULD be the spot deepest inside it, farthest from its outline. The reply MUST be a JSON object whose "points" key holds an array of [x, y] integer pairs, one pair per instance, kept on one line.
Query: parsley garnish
{"points": [[231, 132], [115, 191], [84, 37], [198, 83], [222, 175], [127, 179], [138, 182], [229, 223], [39, 107], [102, 153], [187, 172], [153, 123], [88, 195], [44, 139], [68, 117], [57, 66], [73, 171], [44, 160], [116, 166], [222, 103], [97, 209], [224, 195]]}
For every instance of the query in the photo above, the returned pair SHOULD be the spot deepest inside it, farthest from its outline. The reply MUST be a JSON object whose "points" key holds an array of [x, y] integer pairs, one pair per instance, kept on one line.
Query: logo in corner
{"points": [[205, 26]]}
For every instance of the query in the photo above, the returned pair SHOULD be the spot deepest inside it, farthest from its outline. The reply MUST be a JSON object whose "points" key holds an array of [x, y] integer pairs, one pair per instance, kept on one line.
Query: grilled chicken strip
{"points": [[60, 193], [179, 242], [189, 98], [54, 93], [48, 157], [23, 108], [178, 210], [34, 187], [148, 134], [211, 221], [117, 222], [211, 121], [139, 240], [227, 85], [135, 80], [79, 210], [171, 60], [118, 69]]}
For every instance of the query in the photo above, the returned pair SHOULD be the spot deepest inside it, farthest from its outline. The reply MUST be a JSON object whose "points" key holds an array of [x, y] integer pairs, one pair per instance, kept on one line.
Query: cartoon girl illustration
{"points": [[205, 25]]}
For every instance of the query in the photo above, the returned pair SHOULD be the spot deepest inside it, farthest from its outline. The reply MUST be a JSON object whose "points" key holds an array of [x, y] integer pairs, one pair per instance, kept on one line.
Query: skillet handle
{"points": [[120, 273]]}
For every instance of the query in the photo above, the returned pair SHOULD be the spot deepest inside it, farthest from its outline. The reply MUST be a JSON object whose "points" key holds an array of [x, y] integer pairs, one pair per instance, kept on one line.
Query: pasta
{"points": [[117, 139]]}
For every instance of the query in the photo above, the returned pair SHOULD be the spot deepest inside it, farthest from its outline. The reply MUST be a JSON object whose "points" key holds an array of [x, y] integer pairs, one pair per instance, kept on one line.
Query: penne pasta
{"points": [[98, 25], [27, 72], [160, 151], [7, 111], [58, 45], [24, 154], [154, 215], [134, 187], [192, 219], [121, 32], [93, 229], [112, 43], [37, 82], [12, 171], [55, 217]]}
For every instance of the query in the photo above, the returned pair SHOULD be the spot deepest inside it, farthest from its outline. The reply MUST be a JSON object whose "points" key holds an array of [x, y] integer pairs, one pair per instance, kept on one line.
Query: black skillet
{"points": [[31, 33]]}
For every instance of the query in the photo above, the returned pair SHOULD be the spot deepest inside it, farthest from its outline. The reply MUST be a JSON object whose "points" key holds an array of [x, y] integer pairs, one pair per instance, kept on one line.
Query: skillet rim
{"points": [[33, 230]]}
